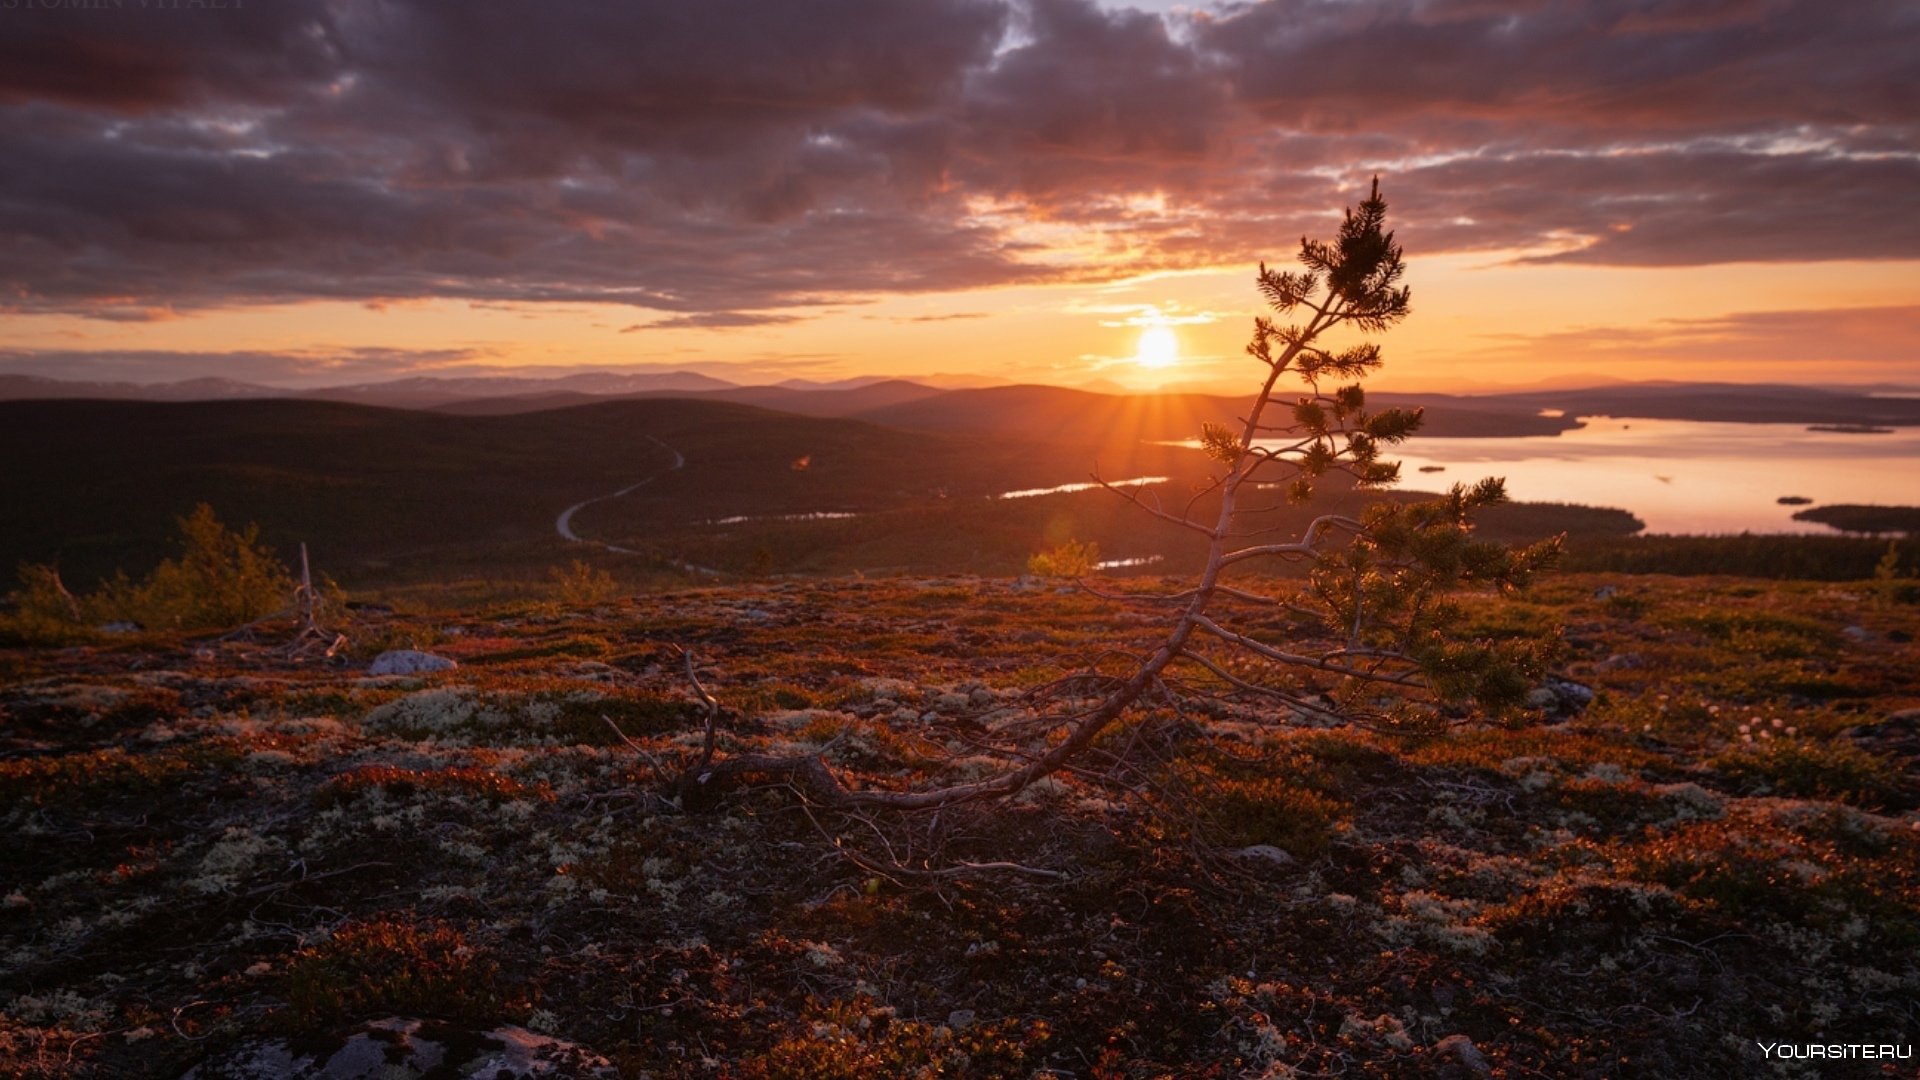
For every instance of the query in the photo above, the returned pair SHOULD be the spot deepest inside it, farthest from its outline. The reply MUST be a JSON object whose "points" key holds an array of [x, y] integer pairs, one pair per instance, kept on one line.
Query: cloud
{"points": [[732, 163], [307, 367], [1803, 346], [714, 320]]}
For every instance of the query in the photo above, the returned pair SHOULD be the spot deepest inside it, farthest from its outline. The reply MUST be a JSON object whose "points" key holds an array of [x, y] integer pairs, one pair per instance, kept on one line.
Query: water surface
{"points": [[1683, 476]]}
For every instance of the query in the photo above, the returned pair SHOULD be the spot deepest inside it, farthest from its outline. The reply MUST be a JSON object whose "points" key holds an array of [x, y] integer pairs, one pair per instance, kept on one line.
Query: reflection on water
{"points": [[818, 515], [1067, 488], [1123, 564], [1682, 476]]}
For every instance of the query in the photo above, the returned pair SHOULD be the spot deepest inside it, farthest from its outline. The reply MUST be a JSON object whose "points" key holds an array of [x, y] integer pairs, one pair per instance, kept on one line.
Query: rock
{"points": [[1605, 592], [1265, 851], [1859, 635], [1626, 661], [1460, 1050], [960, 1019], [594, 671], [399, 1047], [951, 702], [1560, 698], [120, 626], [1898, 735], [408, 662]]}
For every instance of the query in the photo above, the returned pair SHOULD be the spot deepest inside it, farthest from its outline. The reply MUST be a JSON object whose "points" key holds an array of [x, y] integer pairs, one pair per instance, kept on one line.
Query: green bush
{"points": [[1808, 768], [44, 612], [1073, 559], [222, 578], [581, 585]]}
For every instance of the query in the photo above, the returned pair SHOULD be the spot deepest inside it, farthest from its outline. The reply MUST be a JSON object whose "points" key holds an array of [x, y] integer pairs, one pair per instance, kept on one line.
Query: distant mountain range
{"points": [[422, 392], [1032, 411]]}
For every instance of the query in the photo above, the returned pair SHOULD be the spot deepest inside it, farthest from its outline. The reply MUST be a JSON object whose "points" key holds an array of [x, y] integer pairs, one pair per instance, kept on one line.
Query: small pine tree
{"points": [[1073, 559], [1887, 570], [581, 584], [1379, 589], [1381, 633], [221, 578]]}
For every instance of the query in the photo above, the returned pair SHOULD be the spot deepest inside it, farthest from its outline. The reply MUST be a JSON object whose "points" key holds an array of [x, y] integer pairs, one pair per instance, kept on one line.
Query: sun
{"points": [[1158, 348]]}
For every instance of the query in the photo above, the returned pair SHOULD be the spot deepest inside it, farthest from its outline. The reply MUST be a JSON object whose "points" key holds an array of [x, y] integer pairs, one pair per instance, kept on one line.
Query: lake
{"points": [[1682, 476]]}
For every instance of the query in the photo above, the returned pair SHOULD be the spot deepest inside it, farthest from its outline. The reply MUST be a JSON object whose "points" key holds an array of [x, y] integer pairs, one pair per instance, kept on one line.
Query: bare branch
{"points": [[1305, 546], [712, 706], [1291, 700], [1133, 496]]}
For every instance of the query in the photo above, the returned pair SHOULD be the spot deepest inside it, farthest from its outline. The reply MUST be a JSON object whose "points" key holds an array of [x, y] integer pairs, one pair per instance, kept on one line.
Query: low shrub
{"points": [[392, 967], [222, 578], [1808, 768]]}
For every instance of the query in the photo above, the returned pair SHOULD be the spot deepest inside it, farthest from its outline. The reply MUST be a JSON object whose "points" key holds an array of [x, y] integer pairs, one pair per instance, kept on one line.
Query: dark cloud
{"points": [[1674, 207], [726, 161], [138, 58], [1632, 66], [1092, 99]]}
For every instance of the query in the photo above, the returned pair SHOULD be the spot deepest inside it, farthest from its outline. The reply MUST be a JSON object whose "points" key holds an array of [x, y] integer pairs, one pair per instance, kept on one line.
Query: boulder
{"points": [[408, 662], [1896, 736], [1626, 661], [1265, 852], [1459, 1052], [1560, 698]]}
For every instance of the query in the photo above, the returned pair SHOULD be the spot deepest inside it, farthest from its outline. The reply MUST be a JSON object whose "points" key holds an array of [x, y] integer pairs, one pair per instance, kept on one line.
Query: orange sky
{"points": [[1479, 323], [320, 192]]}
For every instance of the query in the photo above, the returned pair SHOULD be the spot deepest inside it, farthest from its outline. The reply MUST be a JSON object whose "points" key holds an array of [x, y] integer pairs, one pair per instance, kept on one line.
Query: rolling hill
{"points": [[375, 491]]}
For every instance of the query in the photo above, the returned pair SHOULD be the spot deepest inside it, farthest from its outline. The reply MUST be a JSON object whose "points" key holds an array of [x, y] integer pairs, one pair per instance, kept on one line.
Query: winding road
{"points": [[564, 523]]}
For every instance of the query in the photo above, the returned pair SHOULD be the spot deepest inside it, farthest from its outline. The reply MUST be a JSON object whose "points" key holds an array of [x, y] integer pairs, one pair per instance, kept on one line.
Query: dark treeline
{"points": [[1816, 558]]}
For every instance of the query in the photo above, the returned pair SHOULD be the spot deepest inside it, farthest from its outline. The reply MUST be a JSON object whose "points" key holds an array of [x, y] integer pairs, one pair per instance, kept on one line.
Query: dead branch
{"points": [[1308, 543], [1133, 497]]}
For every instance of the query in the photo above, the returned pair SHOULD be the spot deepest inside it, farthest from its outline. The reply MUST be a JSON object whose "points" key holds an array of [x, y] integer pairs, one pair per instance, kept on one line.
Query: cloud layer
{"points": [[717, 162]]}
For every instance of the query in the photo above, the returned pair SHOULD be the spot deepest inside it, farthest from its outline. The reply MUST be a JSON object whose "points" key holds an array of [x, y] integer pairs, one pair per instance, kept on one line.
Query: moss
{"points": [[400, 967], [112, 773], [1297, 820], [859, 1038], [404, 783], [1830, 769]]}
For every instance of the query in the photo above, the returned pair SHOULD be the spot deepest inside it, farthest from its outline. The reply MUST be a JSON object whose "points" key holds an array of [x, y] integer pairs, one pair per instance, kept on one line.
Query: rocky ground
{"points": [[224, 858]]}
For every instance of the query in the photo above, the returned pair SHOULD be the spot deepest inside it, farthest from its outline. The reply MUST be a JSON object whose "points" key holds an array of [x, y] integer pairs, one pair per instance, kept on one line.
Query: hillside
{"points": [[387, 496], [1078, 415], [1740, 403], [216, 851], [827, 402], [378, 492]]}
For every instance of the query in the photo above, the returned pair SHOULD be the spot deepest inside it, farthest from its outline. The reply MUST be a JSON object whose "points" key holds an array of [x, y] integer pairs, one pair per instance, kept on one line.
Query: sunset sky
{"points": [[312, 192]]}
